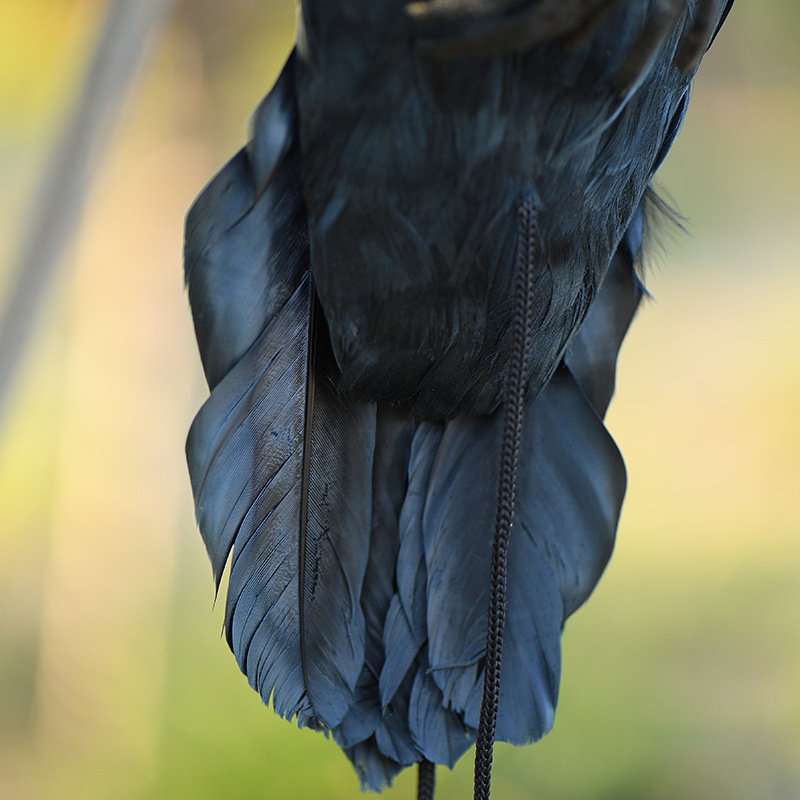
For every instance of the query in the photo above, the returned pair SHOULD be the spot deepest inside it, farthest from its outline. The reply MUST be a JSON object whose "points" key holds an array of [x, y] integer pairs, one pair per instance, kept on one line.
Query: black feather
{"points": [[592, 351], [272, 482], [570, 487]]}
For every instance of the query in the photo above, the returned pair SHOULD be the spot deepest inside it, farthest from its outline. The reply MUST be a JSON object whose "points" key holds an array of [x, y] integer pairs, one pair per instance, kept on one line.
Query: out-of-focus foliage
{"points": [[682, 674]]}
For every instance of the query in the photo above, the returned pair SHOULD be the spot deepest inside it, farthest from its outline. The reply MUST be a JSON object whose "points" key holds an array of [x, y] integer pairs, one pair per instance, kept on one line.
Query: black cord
{"points": [[426, 779], [507, 487]]}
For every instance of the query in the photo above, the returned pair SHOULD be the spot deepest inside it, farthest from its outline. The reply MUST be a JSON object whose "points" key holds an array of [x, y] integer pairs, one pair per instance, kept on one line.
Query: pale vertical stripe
{"points": [[122, 494], [77, 149]]}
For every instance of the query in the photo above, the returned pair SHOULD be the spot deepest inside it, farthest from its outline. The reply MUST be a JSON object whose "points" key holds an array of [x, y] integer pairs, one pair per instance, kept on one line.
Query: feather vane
{"points": [[273, 482]]}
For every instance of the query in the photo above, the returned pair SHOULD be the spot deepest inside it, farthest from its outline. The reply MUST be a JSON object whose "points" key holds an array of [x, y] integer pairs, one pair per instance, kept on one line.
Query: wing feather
{"points": [[280, 460]]}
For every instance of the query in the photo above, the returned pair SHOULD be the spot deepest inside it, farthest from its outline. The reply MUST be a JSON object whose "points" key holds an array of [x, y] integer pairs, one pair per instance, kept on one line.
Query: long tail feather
{"points": [[570, 487], [392, 443], [281, 462]]}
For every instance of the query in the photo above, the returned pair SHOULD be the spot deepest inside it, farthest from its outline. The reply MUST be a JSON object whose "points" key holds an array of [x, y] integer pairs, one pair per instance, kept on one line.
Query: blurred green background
{"points": [[681, 675]]}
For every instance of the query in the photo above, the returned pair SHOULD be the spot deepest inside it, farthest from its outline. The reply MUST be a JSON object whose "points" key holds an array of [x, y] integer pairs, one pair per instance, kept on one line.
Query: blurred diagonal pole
{"points": [[62, 190]]}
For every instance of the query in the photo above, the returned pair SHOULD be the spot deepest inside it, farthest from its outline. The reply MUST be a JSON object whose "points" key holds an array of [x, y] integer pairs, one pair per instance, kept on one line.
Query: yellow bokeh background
{"points": [[681, 675]]}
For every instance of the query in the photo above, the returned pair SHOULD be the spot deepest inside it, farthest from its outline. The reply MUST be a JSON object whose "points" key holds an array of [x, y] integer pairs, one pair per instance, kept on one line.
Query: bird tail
{"points": [[359, 540]]}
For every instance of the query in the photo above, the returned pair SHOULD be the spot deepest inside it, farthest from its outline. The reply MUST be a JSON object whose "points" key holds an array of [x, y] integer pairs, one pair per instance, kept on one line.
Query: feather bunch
{"points": [[356, 514]]}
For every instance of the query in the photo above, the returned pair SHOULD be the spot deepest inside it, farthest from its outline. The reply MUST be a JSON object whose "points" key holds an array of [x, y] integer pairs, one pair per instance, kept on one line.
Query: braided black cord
{"points": [[507, 487], [426, 779]]}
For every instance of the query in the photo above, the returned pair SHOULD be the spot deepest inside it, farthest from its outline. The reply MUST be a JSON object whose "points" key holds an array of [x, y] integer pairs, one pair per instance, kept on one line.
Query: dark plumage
{"points": [[350, 278]]}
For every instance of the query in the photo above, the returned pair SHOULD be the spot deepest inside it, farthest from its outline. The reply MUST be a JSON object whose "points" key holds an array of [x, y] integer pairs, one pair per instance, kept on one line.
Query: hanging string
{"points": [[521, 324], [426, 779]]}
